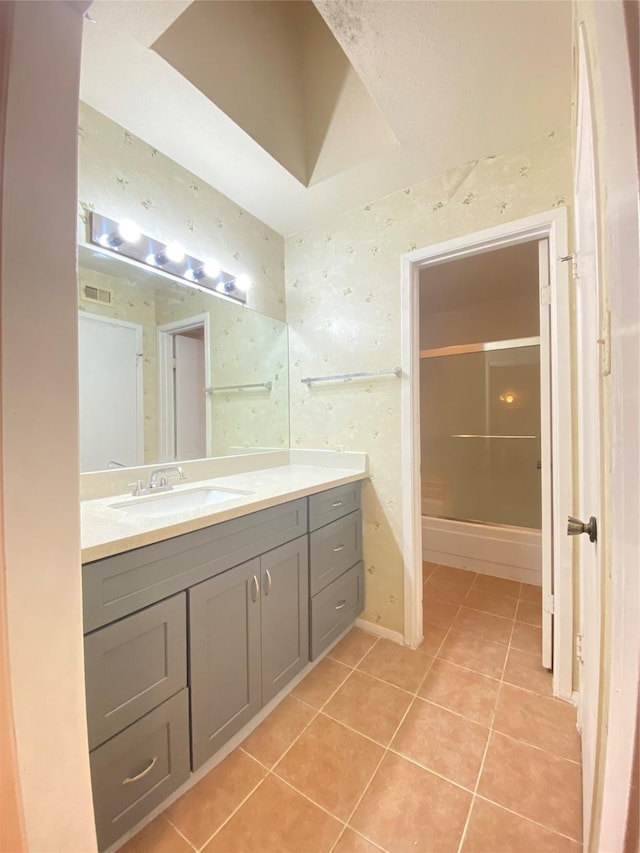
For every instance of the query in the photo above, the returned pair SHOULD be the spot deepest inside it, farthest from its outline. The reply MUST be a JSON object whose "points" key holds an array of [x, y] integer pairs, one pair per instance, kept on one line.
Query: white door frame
{"points": [[166, 419], [552, 226], [137, 327]]}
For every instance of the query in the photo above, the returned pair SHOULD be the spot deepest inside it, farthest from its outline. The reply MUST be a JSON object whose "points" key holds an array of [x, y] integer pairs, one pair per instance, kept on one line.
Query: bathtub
{"points": [[502, 551]]}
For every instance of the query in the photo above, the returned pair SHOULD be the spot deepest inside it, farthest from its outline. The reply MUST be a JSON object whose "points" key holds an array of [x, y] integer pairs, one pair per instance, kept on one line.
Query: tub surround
{"points": [[269, 478]]}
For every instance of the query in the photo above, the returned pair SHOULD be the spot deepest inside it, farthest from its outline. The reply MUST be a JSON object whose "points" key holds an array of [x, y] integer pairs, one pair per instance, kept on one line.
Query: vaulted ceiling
{"points": [[299, 111]]}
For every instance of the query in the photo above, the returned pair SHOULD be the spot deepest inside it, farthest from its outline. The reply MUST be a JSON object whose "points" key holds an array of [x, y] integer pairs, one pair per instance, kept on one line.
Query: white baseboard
{"points": [[512, 553], [380, 631]]}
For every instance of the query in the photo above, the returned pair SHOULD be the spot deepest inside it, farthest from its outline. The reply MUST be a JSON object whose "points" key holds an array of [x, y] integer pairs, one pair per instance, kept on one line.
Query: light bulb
{"points": [[174, 252], [243, 282], [129, 231], [211, 268]]}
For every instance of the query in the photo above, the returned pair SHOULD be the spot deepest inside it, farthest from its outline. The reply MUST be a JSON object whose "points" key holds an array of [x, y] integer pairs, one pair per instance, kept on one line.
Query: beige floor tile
{"points": [[531, 593], [491, 829], [396, 664], [545, 788], [275, 735], [498, 586], [321, 682], [428, 569], [489, 602], [157, 837], [203, 809], [433, 637], [443, 742], [369, 706], [529, 613], [437, 612], [527, 638], [331, 765], [276, 819], [352, 648], [484, 625], [352, 842], [447, 584], [460, 690], [408, 810], [525, 670], [539, 720], [452, 574], [474, 653]]}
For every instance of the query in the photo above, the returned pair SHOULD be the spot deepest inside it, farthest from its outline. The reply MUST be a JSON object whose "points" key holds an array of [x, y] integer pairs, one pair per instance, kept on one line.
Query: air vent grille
{"points": [[97, 294]]}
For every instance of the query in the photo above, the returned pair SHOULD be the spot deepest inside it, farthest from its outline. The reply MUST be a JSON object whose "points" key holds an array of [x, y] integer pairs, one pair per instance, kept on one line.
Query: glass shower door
{"points": [[480, 433]]}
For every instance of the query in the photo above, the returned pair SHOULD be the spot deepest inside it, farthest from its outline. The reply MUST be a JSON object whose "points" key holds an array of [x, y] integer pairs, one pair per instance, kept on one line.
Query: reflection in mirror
{"points": [[171, 373]]}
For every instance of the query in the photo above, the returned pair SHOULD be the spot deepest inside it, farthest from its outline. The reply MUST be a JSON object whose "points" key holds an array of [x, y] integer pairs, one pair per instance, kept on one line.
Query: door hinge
{"points": [[579, 648], [545, 295], [605, 344], [549, 604]]}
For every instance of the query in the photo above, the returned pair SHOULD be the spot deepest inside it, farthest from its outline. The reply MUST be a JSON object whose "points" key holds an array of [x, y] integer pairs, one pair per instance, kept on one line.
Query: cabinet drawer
{"points": [[135, 771], [119, 585], [332, 504], [133, 665], [333, 609], [333, 549]]}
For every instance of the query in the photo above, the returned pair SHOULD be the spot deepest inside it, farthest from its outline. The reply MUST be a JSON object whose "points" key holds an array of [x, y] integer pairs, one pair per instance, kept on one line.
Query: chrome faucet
{"points": [[163, 483], [155, 485]]}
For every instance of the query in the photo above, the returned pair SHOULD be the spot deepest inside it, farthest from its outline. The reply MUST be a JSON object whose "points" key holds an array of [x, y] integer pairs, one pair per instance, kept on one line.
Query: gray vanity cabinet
{"points": [[248, 638], [224, 660]]}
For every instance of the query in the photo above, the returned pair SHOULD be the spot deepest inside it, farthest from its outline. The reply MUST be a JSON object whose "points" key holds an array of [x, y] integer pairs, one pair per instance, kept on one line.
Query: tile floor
{"points": [[457, 746]]}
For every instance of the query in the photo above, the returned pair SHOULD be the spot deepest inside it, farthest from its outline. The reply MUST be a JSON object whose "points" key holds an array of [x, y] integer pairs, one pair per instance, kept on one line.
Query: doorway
{"points": [[549, 232], [184, 427]]}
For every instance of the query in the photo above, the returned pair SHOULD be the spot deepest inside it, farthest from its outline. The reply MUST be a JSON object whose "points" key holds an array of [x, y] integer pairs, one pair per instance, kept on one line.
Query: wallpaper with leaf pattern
{"points": [[343, 309]]}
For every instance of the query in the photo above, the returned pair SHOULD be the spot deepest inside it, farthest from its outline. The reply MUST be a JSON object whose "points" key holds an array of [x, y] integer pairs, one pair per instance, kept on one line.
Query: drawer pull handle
{"points": [[267, 587], [338, 548], [336, 504], [341, 604], [255, 591], [144, 773]]}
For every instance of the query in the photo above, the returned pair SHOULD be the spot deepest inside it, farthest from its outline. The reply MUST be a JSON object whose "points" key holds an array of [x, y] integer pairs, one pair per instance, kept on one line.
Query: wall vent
{"points": [[97, 294]]}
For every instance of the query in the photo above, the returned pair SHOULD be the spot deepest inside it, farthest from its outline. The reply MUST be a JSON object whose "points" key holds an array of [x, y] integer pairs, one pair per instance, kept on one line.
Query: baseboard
{"points": [[380, 631]]}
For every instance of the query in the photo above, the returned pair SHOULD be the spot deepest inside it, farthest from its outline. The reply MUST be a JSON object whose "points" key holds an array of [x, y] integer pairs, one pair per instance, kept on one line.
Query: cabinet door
{"points": [[285, 615], [224, 664]]}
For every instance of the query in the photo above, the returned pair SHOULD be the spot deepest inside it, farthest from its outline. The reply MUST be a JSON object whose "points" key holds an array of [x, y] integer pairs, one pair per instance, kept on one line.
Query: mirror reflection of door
{"points": [[189, 394], [183, 371], [110, 392]]}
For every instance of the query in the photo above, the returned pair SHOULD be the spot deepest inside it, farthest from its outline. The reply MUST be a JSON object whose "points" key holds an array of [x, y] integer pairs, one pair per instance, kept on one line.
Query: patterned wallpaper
{"points": [[122, 177], [343, 309]]}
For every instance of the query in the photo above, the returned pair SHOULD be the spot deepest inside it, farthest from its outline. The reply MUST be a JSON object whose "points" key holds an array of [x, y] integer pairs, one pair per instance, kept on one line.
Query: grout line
{"points": [[486, 747], [308, 798], [530, 819], [181, 834]]}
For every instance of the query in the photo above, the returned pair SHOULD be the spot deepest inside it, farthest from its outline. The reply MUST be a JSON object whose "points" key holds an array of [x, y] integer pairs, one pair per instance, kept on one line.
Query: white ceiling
{"points": [[455, 80]]}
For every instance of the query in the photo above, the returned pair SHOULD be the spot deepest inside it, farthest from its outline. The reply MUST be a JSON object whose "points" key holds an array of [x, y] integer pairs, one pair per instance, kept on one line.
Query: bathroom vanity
{"points": [[188, 637]]}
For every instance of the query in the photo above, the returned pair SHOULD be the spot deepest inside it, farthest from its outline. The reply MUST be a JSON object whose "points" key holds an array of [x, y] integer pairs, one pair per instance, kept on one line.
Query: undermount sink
{"points": [[169, 503]]}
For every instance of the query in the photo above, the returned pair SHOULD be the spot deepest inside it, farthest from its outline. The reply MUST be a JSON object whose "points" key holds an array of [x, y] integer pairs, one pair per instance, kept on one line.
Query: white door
{"points": [[110, 390], [190, 414], [589, 438]]}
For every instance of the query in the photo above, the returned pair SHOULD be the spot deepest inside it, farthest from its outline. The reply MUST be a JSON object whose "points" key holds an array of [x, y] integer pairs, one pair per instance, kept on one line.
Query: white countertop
{"points": [[106, 530]]}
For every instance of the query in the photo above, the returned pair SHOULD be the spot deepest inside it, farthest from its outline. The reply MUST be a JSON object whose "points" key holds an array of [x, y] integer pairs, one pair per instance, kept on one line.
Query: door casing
{"points": [[551, 226]]}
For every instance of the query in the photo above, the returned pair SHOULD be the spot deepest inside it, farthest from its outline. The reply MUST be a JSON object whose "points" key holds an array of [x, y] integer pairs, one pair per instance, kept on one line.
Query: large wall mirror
{"points": [[169, 373]]}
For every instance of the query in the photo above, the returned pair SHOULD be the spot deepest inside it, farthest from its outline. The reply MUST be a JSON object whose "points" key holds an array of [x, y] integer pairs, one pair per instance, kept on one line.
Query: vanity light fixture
{"points": [[125, 232], [168, 259]]}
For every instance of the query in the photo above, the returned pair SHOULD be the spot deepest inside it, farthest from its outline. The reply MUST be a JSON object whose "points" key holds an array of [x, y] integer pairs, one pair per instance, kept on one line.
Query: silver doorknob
{"points": [[575, 527]]}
